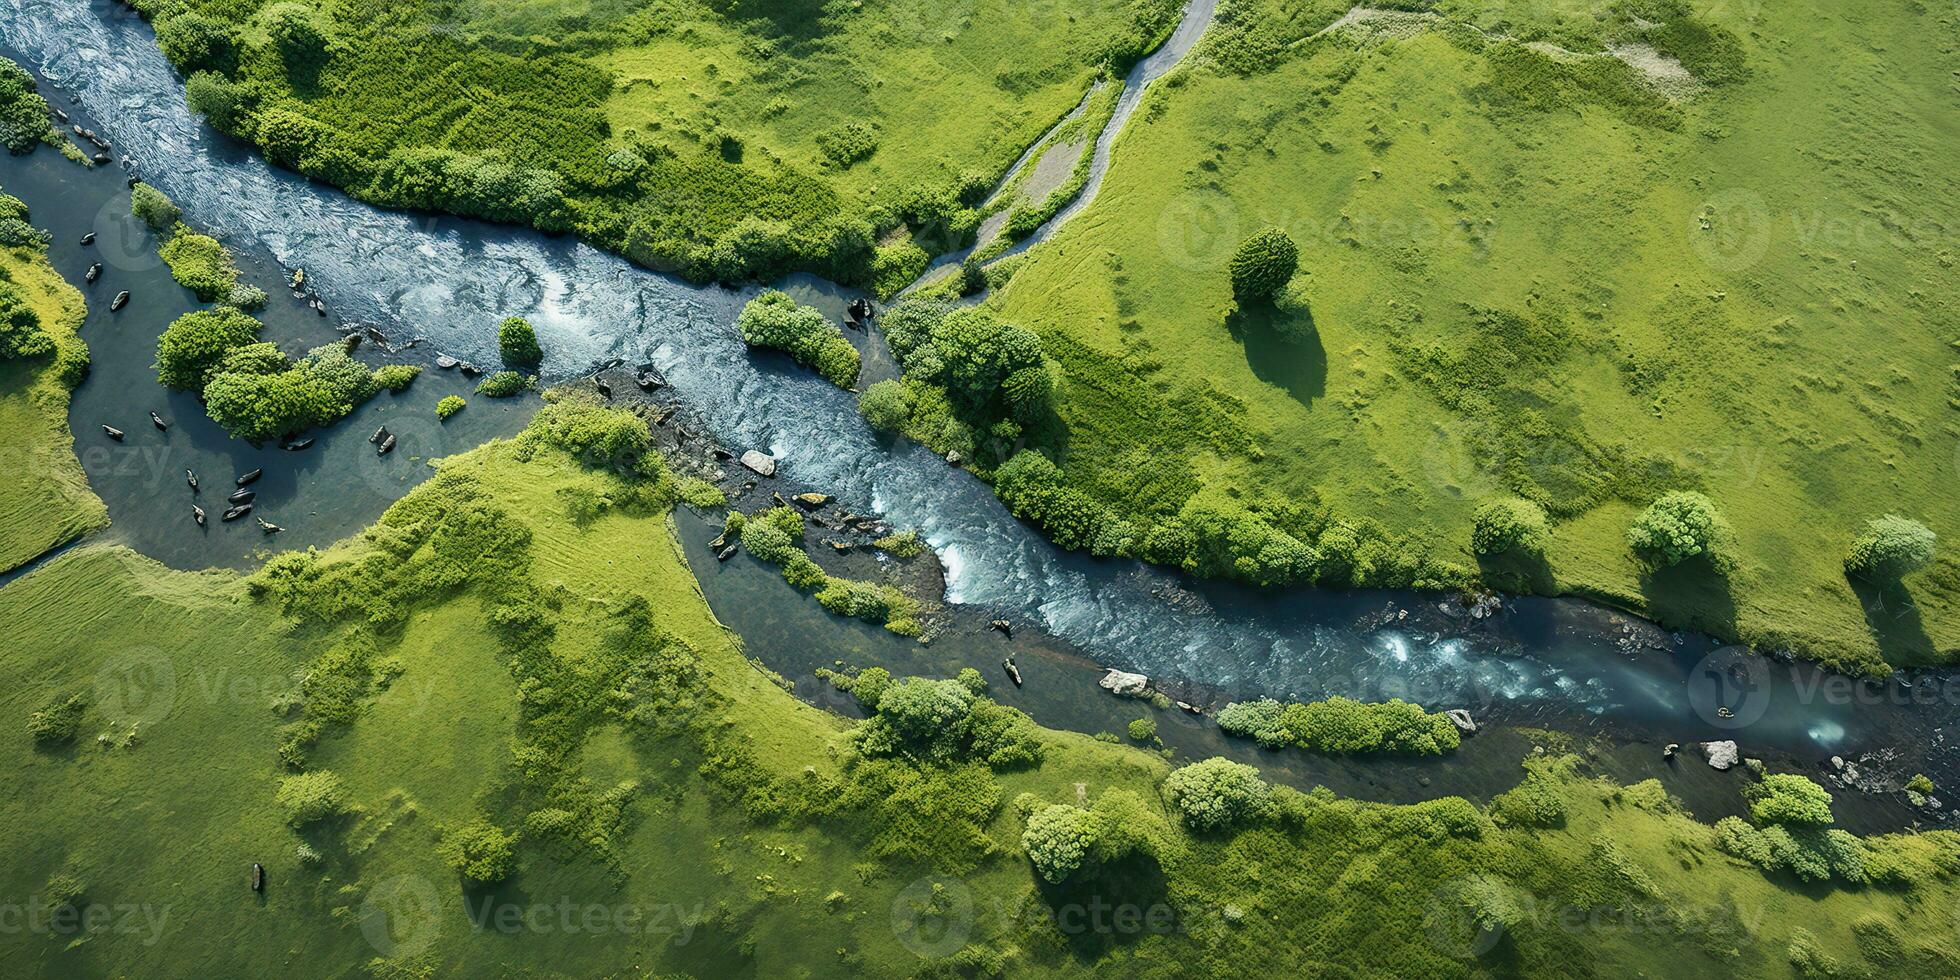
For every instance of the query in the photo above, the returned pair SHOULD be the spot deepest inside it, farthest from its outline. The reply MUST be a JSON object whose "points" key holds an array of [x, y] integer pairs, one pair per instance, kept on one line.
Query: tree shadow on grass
{"points": [[1110, 906], [1282, 347], [1696, 593], [1518, 570], [1893, 619]]}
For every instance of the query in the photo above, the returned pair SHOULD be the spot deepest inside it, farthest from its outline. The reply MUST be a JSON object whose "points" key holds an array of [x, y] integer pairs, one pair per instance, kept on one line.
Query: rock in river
{"points": [[761, 463], [1721, 755], [1462, 720], [1125, 684]]}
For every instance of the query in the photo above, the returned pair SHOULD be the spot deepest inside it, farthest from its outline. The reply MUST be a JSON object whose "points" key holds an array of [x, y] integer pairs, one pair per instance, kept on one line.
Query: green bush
{"points": [[220, 102], [1679, 526], [502, 384], [886, 405], [1342, 726], [1263, 264], [1061, 839], [1789, 798], [312, 797], [1503, 525], [449, 405], [1218, 794], [257, 407], [774, 320], [20, 326], [59, 722], [397, 377], [479, 851], [517, 343], [194, 42], [23, 112], [194, 344], [1144, 731], [154, 208], [1891, 546], [945, 722], [849, 143], [200, 264], [246, 297]]}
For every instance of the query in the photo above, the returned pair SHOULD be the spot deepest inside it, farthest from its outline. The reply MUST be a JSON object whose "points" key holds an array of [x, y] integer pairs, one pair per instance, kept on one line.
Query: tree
{"points": [[220, 102], [311, 797], [1679, 526], [154, 207], [1217, 794], [886, 405], [257, 407], [502, 384], [1503, 525], [449, 405], [1059, 840], [1791, 799], [194, 344], [1891, 546], [776, 321], [480, 851], [20, 326], [517, 343], [1263, 265], [194, 42], [296, 33]]}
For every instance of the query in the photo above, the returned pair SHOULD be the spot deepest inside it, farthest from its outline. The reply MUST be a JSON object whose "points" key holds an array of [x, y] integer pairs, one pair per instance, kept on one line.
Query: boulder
{"points": [[761, 463], [811, 501], [1723, 754], [1668, 750], [1125, 684], [1462, 720], [954, 458]]}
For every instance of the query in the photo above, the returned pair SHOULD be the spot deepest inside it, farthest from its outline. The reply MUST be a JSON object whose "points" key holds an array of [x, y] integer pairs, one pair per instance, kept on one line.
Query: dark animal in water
{"points": [[725, 553], [100, 158], [249, 477], [604, 388], [157, 420], [1006, 628], [121, 300], [191, 478], [373, 333], [615, 362], [197, 514], [94, 272], [387, 446], [296, 445], [379, 434], [319, 307], [113, 432], [242, 497], [60, 116], [88, 239], [1013, 671], [234, 513], [860, 309], [647, 382], [258, 877], [445, 362], [267, 526]]}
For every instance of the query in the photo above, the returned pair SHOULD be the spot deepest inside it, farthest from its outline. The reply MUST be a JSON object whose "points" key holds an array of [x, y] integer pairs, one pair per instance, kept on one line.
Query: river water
{"points": [[1552, 663]]}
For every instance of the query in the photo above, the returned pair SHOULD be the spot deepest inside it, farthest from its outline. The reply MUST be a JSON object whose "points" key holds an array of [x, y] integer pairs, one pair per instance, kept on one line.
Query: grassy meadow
{"points": [[44, 500], [720, 827], [1722, 261]]}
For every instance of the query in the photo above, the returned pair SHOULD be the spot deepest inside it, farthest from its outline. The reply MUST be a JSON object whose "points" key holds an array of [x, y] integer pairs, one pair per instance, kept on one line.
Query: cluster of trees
{"points": [[1342, 726], [200, 264], [775, 536], [15, 231], [992, 371], [776, 321], [20, 326], [1685, 525], [252, 389], [1793, 833], [24, 120], [943, 721], [1062, 839], [480, 851]]}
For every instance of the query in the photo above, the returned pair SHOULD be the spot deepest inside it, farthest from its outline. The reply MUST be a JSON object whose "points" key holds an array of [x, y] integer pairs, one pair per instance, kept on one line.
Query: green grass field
{"points": [[45, 500], [1528, 268], [729, 854]]}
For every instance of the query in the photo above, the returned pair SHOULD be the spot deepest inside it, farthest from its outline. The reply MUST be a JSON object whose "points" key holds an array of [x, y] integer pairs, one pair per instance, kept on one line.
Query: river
{"points": [[1540, 662]]}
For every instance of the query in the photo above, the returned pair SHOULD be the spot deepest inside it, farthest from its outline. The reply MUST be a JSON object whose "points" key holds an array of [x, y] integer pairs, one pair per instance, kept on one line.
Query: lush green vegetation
{"points": [[24, 119], [46, 502], [502, 384], [517, 344], [724, 140], [1342, 726], [450, 405], [1581, 258], [775, 536], [776, 321], [252, 389], [200, 264], [491, 701]]}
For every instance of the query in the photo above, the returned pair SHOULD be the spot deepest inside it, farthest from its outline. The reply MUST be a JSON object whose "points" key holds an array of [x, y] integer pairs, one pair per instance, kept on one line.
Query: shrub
{"points": [[480, 851], [1789, 798], [200, 264], [943, 721], [192, 347], [156, 209], [1341, 725], [311, 797], [1503, 525], [1059, 840], [221, 102], [1254, 719], [1891, 546], [23, 112], [449, 405], [1143, 730], [194, 42], [343, 379], [397, 377], [1921, 784], [17, 233], [1679, 526], [57, 723], [298, 36], [886, 405], [849, 143], [257, 407], [775, 320], [517, 343], [1263, 264], [20, 327], [1217, 794], [502, 384], [246, 297]]}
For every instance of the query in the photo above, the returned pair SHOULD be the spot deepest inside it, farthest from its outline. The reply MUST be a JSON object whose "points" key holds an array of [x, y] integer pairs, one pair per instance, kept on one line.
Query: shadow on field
{"points": [[1519, 570], [1893, 619], [1120, 904], [1282, 347], [1694, 593]]}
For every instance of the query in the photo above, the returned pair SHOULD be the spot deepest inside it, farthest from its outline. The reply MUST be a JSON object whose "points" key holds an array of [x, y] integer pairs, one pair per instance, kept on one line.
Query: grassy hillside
{"points": [[1721, 261], [518, 643], [721, 138], [44, 500]]}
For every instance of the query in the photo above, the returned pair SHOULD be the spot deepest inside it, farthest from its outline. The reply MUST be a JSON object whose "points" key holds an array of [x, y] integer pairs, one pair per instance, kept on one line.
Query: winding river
{"points": [[1538, 662]]}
